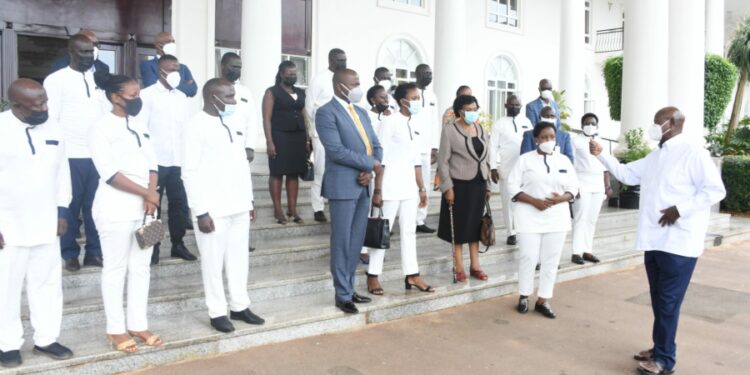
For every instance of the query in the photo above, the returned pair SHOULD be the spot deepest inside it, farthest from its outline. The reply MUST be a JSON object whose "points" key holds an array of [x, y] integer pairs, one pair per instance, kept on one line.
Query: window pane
{"points": [[493, 18], [514, 5], [501, 84], [511, 86], [490, 83], [503, 21]]}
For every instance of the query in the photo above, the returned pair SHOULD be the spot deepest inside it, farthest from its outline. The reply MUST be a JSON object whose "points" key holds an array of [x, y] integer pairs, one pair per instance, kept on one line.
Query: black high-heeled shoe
{"points": [[408, 285], [375, 291]]}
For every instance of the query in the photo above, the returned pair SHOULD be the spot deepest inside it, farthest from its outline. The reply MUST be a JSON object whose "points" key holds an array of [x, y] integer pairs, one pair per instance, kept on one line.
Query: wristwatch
{"points": [[422, 190]]}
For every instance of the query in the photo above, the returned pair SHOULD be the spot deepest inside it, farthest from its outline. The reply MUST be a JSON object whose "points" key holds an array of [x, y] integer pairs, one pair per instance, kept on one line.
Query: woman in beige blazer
{"points": [[464, 168]]}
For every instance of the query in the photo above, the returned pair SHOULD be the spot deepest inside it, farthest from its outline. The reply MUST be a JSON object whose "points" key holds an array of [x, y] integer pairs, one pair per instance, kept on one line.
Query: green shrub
{"points": [[738, 145], [735, 172], [719, 81], [637, 147], [613, 81], [3, 105]]}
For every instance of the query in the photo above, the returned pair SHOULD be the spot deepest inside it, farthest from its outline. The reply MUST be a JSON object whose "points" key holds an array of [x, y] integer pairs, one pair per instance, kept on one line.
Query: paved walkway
{"points": [[601, 321]]}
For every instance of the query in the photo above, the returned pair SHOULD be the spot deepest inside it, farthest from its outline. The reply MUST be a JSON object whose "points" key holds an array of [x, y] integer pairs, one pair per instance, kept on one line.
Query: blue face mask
{"points": [[471, 117], [415, 106], [228, 108]]}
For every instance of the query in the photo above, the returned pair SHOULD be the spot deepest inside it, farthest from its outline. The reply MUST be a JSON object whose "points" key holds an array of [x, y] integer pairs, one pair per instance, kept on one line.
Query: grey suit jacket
{"points": [[457, 158], [346, 153]]}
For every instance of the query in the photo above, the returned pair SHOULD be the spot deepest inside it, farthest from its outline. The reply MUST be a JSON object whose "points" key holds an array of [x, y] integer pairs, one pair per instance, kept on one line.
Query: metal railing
{"points": [[610, 40]]}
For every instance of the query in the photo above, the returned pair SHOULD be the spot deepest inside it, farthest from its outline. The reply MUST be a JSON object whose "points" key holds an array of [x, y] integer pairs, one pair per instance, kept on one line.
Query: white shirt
{"points": [[506, 138], [165, 113], [400, 157], [34, 181], [376, 120], [427, 122], [216, 173], [75, 103], [247, 111], [590, 171], [539, 176], [677, 174], [120, 146], [318, 94]]}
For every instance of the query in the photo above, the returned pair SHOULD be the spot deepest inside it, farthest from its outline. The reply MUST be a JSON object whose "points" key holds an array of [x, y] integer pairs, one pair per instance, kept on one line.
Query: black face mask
{"points": [[290, 81], [85, 63], [36, 118], [513, 111], [381, 107], [133, 106], [425, 81], [233, 75]]}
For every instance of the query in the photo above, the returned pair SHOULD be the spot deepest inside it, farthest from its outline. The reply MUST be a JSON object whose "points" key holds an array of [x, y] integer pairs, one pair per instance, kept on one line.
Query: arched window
{"points": [[502, 81], [401, 57], [588, 101]]}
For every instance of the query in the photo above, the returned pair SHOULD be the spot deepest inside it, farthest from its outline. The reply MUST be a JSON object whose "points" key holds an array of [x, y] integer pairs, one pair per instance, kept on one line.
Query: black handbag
{"points": [[309, 174], [487, 228], [378, 234]]}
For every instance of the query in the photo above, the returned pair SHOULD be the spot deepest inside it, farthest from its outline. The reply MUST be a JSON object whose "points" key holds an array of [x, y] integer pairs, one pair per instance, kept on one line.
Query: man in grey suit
{"points": [[353, 152]]}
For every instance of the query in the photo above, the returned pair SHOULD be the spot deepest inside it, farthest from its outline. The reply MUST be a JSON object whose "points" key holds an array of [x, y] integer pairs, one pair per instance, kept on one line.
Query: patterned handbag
{"points": [[487, 228], [149, 234]]}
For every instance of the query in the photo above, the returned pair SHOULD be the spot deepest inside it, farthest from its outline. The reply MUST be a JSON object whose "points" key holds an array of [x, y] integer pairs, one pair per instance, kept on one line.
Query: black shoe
{"points": [[72, 264], [590, 258], [348, 307], [222, 324], [10, 359], [424, 229], [55, 351], [93, 261], [576, 259], [523, 305], [246, 316], [320, 217], [356, 298], [511, 240], [155, 255], [251, 249], [180, 251], [545, 309]]}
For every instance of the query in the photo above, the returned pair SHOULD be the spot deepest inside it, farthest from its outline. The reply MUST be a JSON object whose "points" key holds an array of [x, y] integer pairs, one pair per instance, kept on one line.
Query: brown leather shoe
{"points": [[590, 258], [478, 274], [644, 355], [652, 368]]}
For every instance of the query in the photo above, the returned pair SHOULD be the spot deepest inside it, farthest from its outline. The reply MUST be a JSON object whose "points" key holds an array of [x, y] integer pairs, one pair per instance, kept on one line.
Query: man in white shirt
{"points": [[679, 184], [506, 137], [165, 113], [318, 94], [35, 191], [427, 129], [75, 104], [220, 192], [231, 70]]}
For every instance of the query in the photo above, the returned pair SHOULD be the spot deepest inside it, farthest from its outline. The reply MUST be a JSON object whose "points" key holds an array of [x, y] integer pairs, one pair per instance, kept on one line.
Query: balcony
{"points": [[609, 40]]}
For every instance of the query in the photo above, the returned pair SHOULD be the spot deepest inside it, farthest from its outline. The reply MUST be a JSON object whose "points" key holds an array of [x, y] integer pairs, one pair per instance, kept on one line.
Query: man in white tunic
{"points": [[231, 70], [679, 184], [35, 192], [220, 195], [427, 129]]}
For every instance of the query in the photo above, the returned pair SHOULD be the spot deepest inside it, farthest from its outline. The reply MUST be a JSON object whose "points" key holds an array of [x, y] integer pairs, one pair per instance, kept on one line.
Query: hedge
{"points": [[613, 81], [735, 172], [719, 82]]}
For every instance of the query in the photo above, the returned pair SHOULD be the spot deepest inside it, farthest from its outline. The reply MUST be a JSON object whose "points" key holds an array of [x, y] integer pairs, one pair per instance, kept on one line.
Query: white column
{"points": [[193, 27], [686, 62], [715, 26], [260, 49], [450, 42], [572, 22], [644, 76]]}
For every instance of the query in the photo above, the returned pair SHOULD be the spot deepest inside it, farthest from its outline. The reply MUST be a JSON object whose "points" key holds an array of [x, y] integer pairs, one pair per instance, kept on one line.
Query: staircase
{"points": [[290, 286]]}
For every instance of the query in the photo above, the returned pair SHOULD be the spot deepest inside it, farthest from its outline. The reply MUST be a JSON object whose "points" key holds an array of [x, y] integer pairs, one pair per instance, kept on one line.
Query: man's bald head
{"points": [[343, 81], [671, 114], [92, 37], [545, 84], [26, 96], [160, 40], [217, 94]]}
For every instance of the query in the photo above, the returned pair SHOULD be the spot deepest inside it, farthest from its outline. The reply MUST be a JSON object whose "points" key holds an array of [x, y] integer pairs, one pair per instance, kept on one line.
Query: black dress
{"points": [[468, 206], [288, 132]]}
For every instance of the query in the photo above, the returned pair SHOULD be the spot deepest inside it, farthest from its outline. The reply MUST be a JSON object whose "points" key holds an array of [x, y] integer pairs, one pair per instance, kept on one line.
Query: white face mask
{"points": [[173, 79], [547, 147], [547, 94], [170, 49], [96, 53], [386, 84], [549, 120], [589, 130], [655, 132]]}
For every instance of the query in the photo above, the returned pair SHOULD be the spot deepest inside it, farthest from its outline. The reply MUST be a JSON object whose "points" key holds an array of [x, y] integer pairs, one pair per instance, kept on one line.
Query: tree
{"points": [[739, 55]]}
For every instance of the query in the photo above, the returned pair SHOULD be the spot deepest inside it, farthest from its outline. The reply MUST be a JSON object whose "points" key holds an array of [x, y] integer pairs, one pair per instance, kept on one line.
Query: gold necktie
{"points": [[361, 129]]}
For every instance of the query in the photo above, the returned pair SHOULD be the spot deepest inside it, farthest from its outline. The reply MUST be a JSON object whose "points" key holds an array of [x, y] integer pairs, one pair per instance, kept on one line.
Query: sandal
{"points": [[128, 346], [478, 274], [280, 220], [409, 285], [152, 340], [295, 218], [376, 291]]}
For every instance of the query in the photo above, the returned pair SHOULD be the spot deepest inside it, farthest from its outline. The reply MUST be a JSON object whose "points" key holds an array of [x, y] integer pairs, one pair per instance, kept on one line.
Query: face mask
{"points": [[228, 108], [96, 53], [589, 130], [513, 111], [36, 118], [549, 120], [133, 106], [386, 84], [547, 94], [381, 107], [85, 63], [173, 79], [233, 75], [290, 81], [547, 147], [339, 65], [354, 95], [471, 117], [655, 133], [415, 106], [170, 49]]}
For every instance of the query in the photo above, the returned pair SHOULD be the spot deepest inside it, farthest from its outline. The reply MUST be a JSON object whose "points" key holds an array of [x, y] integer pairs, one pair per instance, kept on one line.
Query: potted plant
{"points": [[636, 148]]}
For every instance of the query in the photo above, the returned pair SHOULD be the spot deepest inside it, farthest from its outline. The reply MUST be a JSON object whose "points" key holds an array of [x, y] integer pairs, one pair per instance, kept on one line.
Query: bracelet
{"points": [[377, 191], [422, 190]]}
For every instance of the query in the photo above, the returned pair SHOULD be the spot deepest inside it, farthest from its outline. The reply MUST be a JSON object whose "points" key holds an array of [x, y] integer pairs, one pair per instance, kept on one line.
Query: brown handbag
{"points": [[149, 234], [487, 228]]}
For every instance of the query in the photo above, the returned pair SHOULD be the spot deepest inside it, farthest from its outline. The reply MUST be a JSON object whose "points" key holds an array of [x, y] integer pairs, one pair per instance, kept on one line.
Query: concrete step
{"points": [[187, 334]]}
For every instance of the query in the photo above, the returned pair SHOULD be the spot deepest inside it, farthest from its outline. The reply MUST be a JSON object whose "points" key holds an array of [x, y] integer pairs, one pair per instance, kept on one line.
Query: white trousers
{"points": [[124, 258], [507, 212], [585, 213], [40, 267], [545, 248], [406, 211], [225, 249], [319, 160], [427, 180]]}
